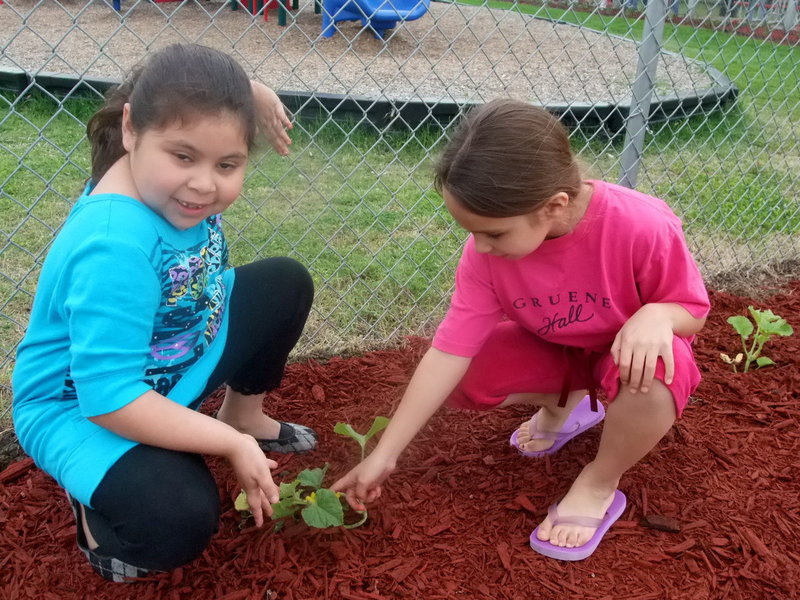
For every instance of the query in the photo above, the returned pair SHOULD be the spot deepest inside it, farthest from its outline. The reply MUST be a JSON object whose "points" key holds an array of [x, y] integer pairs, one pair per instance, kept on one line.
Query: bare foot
{"points": [[582, 500], [544, 420], [260, 427], [549, 419]]}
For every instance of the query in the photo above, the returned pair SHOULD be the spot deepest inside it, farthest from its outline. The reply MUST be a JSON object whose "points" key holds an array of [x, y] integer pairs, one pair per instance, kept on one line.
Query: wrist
{"points": [[385, 456], [234, 443], [660, 311]]}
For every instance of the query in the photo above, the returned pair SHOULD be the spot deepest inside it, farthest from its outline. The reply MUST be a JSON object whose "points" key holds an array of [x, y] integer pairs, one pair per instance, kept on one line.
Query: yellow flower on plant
{"points": [[312, 497]]}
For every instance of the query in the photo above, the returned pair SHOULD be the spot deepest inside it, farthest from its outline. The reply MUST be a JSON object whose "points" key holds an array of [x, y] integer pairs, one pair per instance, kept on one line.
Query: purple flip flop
{"points": [[580, 419], [613, 513]]}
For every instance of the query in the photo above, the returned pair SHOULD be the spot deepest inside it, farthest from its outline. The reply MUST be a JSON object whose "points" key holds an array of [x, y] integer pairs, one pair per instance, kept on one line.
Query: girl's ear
{"points": [[128, 133], [556, 204]]}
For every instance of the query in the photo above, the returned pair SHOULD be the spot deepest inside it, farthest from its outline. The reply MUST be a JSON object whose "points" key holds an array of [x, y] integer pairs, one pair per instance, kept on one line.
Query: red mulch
{"points": [[455, 518]]}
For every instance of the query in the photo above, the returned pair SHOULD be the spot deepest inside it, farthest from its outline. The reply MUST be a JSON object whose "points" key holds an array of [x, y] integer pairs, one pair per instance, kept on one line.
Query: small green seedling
{"points": [[767, 324], [319, 506], [345, 429]]}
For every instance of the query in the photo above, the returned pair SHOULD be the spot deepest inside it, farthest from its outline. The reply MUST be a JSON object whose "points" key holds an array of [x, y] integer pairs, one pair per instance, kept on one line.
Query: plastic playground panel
{"points": [[379, 15]]}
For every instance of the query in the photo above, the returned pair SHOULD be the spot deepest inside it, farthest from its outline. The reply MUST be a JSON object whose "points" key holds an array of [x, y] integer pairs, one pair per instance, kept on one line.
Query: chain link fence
{"points": [[698, 103]]}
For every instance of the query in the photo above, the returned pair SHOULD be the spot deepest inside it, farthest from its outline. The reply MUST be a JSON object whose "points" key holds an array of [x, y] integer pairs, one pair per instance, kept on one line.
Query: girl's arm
{"points": [[272, 119], [645, 337], [158, 421], [683, 323], [436, 376]]}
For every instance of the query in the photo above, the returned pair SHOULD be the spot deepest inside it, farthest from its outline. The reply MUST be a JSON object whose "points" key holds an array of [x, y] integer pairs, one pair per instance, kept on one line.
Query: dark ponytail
{"points": [[174, 85], [104, 129]]}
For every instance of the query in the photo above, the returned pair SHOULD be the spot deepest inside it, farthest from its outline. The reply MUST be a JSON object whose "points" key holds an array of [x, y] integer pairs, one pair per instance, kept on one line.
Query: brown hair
{"points": [[506, 159], [176, 84]]}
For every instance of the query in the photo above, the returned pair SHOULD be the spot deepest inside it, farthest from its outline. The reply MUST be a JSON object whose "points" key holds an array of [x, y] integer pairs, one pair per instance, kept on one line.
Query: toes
{"points": [[563, 536], [573, 539], [560, 535], [523, 434], [544, 530]]}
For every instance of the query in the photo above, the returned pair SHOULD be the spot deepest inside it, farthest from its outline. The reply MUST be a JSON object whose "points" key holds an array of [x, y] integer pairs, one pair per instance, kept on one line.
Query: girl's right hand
{"points": [[436, 376], [252, 470], [363, 482], [272, 119]]}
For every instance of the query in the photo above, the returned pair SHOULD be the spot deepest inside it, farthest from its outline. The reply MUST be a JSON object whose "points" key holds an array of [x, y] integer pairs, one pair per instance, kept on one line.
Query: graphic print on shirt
{"points": [[193, 295], [564, 309], [187, 278]]}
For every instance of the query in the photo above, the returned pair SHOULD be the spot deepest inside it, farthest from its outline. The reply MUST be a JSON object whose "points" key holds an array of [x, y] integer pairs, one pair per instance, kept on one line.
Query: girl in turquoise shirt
{"points": [[137, 318]]}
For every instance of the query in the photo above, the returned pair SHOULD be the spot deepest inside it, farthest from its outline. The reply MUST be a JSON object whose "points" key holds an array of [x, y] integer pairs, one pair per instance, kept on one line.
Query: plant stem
{"points": [[751, 354], [358, 523], [744, 346]]}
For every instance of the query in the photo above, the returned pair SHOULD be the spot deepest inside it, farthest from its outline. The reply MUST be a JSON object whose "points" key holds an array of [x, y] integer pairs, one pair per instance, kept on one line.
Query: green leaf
{"points": [[312, 477], [760, 316], [770, 323], [284, 508], [326, 511], [347, 430], [779, 327], [742, 325], [763, 361], [289, 490], [379, 424], [241, 503]]}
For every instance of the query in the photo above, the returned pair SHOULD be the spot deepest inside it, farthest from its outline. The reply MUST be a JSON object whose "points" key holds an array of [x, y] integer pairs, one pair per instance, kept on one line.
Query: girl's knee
{"points": [[156, 509], [292, 274], [174, 535], [659, 401]]}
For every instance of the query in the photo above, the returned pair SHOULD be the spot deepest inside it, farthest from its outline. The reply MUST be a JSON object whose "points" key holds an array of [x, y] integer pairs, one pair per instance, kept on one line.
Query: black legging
{"points": [[156, 508]]}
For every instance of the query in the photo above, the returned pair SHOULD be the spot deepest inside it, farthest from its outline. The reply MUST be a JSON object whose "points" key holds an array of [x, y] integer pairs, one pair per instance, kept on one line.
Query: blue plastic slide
{"points": [[379, 15]]}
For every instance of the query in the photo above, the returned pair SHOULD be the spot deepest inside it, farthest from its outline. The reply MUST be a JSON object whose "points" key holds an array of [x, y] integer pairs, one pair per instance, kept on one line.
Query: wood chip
{"points": [[661, 523]]}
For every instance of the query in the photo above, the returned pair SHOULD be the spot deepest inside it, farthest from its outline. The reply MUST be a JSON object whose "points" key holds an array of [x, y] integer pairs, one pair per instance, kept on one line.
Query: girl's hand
{"points": [[272, 119], [252, 470], [636, 348], [363, 482]]}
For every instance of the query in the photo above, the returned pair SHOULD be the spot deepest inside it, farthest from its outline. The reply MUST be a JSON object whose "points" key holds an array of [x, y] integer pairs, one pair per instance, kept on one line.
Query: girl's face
{"points": [[510, 237], [187, 172]]}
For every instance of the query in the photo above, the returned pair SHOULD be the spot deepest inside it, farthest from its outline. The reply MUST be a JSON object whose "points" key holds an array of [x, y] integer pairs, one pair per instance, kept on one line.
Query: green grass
{"points": [[708, 166], [357, 207]]}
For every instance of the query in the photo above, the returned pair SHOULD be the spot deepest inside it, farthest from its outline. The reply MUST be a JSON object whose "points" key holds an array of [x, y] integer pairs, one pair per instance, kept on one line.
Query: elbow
{"points": [[693, 327], [102, 420], [699, 324]]}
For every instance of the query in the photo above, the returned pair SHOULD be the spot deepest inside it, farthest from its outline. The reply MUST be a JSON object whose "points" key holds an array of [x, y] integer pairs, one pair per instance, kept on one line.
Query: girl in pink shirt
{"points": [[564, 285]]}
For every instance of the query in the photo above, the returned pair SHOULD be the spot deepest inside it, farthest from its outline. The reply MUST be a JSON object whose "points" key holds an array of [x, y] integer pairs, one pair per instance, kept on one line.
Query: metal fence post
{"points": [[790, 16], [636, 125]]}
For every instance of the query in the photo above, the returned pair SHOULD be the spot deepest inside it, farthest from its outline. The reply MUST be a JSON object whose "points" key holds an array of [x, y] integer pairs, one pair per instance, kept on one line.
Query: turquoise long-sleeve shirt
{"points": [[125, 303]]}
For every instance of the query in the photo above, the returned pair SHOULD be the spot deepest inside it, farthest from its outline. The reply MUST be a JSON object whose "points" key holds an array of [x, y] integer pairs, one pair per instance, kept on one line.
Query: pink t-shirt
{"points": [[578, 289]]}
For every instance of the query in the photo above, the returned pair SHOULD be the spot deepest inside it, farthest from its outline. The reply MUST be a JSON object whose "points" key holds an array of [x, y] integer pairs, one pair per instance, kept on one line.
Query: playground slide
{"points": [[379, 15]]}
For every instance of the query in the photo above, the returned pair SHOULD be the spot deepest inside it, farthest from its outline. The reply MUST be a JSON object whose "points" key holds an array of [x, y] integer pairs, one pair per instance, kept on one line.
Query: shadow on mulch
{"points": [[454, 520]]}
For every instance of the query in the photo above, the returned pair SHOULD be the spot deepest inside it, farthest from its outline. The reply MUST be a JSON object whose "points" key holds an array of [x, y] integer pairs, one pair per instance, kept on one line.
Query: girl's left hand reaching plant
{"points": [[636, 348], [252, 469], [272, 119]]}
